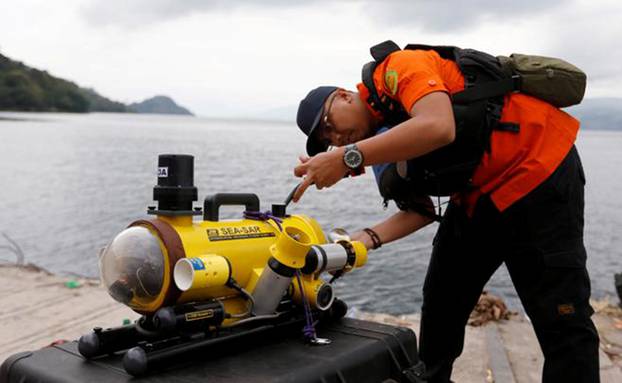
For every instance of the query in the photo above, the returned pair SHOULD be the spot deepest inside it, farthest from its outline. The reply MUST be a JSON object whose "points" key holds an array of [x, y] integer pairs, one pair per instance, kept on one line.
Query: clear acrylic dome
{"points": [[132, 267]]}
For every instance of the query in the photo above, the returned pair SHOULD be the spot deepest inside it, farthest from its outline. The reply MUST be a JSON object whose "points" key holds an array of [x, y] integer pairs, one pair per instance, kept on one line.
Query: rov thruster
{"points": [[200, 284]]}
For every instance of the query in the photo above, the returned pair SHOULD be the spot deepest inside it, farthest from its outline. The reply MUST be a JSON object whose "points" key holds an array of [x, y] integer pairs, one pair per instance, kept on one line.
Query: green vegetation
{"points": [[28, 89], [23, 88], [98, 103]]}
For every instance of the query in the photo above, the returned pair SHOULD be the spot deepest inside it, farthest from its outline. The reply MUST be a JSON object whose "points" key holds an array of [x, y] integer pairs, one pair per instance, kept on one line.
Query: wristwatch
{"points": [[352, 157]]}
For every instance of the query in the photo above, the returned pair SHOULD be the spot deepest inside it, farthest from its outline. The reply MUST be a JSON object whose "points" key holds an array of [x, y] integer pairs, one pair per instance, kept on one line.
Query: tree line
{"points": [[27, 89]]}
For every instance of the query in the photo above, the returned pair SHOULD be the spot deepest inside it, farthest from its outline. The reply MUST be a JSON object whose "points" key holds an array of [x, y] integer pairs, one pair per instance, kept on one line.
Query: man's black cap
{"points": [[310, 112]]}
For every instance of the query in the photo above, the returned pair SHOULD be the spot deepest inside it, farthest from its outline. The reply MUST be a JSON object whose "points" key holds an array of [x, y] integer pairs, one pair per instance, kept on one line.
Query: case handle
{"points": [[213, 202]]}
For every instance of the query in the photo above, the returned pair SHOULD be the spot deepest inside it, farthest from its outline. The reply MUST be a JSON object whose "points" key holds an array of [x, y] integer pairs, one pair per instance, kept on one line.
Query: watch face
{"points": [[353, 158]]}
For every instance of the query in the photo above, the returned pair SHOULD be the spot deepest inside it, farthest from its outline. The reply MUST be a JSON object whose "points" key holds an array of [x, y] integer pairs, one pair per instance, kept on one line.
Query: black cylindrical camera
{"points": [[175, 190]]}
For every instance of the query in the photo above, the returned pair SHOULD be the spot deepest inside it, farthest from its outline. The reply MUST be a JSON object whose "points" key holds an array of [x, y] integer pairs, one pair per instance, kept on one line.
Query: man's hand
{"points": [[323, 170], [393, 228], [363, 237]]}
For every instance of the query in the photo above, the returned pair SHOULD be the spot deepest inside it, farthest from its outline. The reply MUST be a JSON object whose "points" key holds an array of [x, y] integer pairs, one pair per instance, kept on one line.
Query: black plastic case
{"points": [[360, 351]]}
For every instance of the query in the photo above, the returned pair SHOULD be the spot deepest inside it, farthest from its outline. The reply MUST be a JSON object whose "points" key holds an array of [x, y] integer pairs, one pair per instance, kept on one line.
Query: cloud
{"points": [[431, 15], [135, 13], [453, 16], [586, 35], [240, 56]]}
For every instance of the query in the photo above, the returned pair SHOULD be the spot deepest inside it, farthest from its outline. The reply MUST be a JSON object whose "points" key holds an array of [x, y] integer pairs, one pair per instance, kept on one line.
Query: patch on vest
{"points": [[390, 80]]}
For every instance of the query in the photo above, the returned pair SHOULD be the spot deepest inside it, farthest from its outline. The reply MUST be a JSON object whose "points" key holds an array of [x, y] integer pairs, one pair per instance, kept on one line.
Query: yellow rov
{"points": [[202, 282]]}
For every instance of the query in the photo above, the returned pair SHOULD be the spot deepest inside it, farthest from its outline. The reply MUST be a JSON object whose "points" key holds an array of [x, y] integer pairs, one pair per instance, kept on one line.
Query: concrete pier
{"points": [[37, 308]]}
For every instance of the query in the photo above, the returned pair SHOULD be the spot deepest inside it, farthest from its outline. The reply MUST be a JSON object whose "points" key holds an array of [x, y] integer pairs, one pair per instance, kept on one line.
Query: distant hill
{"points": [[23, 88], [599, 113], [159, 105], [98, 103]]}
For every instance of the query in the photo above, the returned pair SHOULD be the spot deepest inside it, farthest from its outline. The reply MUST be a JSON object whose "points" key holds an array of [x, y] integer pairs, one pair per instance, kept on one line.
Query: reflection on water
{"points": [[71, 182]]}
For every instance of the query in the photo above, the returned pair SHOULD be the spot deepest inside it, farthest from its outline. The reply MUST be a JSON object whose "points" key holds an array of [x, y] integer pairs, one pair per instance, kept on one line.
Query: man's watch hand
{"points": [[323, 170], [353, 158]]}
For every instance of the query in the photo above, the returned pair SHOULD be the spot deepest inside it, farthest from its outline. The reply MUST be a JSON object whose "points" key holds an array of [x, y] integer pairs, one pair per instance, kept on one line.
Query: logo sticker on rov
{"points": [[197, 264], [240, 232], [163, 172]]}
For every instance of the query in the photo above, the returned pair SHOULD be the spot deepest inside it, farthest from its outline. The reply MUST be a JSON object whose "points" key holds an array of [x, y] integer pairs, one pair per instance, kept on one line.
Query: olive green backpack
{"points": [[550, 79]]}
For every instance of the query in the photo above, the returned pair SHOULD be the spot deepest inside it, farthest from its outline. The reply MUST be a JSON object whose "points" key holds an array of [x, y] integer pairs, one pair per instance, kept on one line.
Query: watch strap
{"points": [[349, 148]]}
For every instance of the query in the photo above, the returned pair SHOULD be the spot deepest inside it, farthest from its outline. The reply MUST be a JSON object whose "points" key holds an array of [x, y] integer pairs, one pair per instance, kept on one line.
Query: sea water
{"points": [[69, 183]]}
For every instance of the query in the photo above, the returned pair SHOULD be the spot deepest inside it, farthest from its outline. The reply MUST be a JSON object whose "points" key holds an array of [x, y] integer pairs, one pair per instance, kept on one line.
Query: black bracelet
{"points": [[374, 237]]}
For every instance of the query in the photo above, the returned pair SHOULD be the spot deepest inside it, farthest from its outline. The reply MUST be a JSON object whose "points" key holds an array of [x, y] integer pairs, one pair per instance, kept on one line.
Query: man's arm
{"points": [[430, 127], [393, 228]]}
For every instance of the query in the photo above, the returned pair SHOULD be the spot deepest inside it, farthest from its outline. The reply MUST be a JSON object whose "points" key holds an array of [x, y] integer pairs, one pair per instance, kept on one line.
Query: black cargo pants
{"points": [[540, 239]]}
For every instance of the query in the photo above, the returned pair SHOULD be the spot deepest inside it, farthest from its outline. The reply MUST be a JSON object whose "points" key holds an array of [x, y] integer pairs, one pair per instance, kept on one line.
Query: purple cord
{"points": [[308, 330], [259, 216]]}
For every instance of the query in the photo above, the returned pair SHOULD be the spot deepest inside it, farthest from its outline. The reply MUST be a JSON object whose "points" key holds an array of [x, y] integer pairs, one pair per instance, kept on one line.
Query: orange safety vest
{"points": [[517, 161]]}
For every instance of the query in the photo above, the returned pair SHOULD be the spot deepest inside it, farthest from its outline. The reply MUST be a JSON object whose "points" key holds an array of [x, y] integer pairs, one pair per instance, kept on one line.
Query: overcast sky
{"points": [[243, 58]]}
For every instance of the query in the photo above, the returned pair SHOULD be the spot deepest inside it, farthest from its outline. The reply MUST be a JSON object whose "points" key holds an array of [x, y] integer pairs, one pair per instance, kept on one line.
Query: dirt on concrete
{"points": [[38, 308]]}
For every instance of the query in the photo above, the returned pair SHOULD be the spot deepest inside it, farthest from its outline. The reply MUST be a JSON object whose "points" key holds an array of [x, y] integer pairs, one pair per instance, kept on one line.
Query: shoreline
{"points": [[39, 308]]}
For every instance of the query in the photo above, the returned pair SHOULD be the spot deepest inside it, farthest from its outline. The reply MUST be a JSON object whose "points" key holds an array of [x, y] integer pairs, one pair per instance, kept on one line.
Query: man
{"points": [[522, 203]]}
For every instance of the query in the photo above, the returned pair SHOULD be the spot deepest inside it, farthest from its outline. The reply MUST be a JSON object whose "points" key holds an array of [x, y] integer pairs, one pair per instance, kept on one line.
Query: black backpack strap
{"points": [[445, 51], [385, 105], [380, 51], [368, 80], [486, 90], [493, 91]]}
